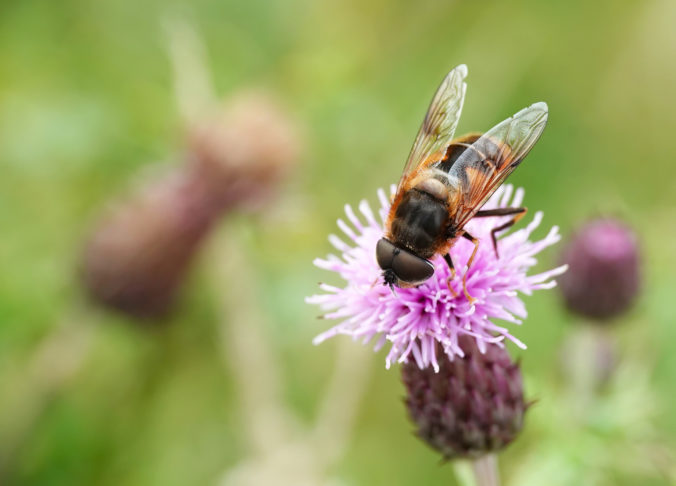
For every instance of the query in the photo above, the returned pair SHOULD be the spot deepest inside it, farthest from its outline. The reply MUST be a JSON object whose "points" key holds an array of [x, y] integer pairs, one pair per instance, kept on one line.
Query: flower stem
{"points": [[192, 77], [247, 349], [486, 470]]}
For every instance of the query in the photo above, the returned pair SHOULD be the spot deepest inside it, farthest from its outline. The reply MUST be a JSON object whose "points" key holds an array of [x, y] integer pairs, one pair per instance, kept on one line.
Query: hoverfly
{"points": [[445, 183]]}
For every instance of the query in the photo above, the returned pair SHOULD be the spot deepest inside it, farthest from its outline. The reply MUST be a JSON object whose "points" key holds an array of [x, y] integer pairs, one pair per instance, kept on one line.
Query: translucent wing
{"points": [[479, 170], [440, 121]]}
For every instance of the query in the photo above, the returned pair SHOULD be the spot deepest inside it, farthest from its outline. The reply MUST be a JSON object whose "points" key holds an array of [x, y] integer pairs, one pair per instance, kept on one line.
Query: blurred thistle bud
{"points": [[472, 406], [603, 274], [138, 255], [244, 151]]}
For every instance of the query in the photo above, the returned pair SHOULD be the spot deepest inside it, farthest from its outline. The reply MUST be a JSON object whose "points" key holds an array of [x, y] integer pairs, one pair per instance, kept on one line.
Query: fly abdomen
{"points": [[419, 223]]}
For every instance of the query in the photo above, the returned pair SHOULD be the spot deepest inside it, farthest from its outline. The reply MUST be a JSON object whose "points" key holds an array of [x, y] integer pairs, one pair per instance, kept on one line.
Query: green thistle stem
{"points": [[478, 472], [486, 470]]}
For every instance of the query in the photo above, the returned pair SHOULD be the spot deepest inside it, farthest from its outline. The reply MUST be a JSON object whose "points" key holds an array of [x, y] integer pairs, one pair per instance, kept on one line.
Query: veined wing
{"points": [[486, 163], [440, 122]]}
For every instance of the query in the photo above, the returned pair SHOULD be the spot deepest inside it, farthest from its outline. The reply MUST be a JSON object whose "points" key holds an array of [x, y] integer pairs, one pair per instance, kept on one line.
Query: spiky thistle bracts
{"points": [[472, 406]]}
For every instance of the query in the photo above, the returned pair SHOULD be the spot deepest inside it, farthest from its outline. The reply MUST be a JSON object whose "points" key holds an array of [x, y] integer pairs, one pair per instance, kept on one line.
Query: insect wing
{"points": [[440, 122], [480, 169]]}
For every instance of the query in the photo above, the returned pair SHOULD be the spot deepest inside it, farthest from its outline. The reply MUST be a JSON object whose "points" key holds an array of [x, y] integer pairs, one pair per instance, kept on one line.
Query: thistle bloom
{"points": [[414, 320]]}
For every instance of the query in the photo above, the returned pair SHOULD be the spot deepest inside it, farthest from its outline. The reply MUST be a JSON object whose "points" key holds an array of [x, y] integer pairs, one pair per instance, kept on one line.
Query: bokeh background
{"points": [[88, 102]]}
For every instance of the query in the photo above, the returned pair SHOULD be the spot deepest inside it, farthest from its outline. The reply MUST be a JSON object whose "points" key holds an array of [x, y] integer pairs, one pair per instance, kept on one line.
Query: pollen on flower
{"points": [[413, 320]]}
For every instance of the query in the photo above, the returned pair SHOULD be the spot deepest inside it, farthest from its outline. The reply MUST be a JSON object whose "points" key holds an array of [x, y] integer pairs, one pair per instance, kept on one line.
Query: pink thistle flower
{"points": [[413, 320]]}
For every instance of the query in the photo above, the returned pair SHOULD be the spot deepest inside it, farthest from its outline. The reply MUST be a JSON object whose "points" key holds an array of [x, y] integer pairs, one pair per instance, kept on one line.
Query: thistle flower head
{"points": [[473, 406], [604, 275], [414, 320]]}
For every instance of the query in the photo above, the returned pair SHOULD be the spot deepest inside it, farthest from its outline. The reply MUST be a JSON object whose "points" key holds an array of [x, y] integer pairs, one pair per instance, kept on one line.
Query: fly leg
{"points": [[447, 258], [518, 213], [475, 241]]}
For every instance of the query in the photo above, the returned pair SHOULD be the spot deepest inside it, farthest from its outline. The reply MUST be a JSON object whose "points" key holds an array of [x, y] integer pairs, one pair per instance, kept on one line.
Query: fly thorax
{"points": [[434, 187]]}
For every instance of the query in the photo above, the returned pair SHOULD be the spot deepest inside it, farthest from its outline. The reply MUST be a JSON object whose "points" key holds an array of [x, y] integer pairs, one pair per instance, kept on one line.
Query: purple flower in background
{"points": [[413, 320], [605, 271]]}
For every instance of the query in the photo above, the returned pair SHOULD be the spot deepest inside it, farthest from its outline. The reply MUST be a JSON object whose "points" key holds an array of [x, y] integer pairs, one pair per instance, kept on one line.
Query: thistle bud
{"points": [[138, 255], [472, 406], [603, 274], [244, 152]]}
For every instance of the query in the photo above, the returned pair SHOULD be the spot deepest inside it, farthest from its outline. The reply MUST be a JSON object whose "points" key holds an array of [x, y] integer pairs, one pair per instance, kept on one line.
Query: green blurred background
{"points": [[87, 101]]}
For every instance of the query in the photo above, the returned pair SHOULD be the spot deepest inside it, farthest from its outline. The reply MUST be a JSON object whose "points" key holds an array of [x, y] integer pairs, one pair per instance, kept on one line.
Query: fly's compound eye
{"points": [[385, 252], [406, 266], [411, 268]]}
